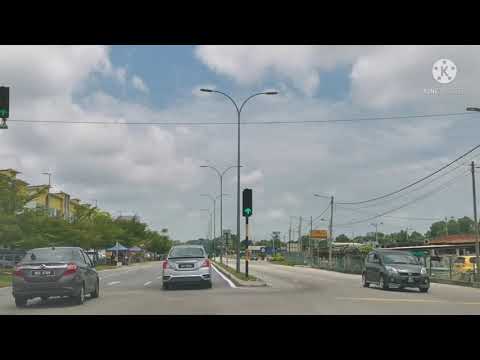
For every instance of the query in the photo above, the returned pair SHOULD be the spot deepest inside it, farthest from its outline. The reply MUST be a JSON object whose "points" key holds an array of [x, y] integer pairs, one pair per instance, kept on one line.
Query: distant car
{"points": [[187, 264], [55, 271], [394, 269], [254, 257]]}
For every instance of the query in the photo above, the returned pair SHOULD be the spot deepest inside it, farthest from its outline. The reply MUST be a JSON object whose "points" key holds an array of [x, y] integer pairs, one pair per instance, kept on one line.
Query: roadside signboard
{"points": [[319, 234]]}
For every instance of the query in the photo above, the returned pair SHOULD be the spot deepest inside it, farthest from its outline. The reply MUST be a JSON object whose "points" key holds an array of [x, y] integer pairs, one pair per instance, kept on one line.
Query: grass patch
{"points": [[105, 267], [5, 279], [238, 275]]}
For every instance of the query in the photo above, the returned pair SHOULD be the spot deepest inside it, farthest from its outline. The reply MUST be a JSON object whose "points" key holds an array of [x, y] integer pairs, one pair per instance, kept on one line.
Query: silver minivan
{"points": [[187, 264]]}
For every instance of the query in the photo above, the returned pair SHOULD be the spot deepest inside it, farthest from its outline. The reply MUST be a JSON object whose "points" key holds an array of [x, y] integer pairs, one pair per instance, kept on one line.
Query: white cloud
{"points": [[252, 178], [151, 170], [300, 64], [275, 214], [139, 84]]}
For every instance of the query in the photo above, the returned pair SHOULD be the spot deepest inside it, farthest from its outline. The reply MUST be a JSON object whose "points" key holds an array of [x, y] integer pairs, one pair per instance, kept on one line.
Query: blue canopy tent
{"points": [[118, 249], [135, 249]]}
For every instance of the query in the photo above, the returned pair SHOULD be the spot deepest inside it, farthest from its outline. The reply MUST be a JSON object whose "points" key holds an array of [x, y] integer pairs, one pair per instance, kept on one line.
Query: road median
{"points": [[239, 279]]}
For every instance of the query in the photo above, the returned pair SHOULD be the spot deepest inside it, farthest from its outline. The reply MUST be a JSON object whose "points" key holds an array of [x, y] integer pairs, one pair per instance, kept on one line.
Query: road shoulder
{"points": [[239, 282]]}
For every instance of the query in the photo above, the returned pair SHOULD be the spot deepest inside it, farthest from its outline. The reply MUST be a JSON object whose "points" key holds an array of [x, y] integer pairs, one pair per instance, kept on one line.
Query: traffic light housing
{"points": [[4, 102], [247, 203]]}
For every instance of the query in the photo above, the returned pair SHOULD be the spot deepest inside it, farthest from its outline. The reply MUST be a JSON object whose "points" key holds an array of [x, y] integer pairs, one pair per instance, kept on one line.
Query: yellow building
{"points": [[20, 185], [39, 197]]}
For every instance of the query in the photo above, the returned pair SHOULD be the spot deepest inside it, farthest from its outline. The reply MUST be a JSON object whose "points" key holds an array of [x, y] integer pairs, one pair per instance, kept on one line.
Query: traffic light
{"points": [[247, 203], [4, 102], [4, 106]]}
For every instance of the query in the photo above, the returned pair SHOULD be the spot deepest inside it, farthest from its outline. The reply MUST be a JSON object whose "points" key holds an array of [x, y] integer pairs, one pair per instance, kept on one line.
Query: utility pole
{"points": [[475, 217], [331, 234], [289, 235], [300, 235], [446, 224], [310, 238]]}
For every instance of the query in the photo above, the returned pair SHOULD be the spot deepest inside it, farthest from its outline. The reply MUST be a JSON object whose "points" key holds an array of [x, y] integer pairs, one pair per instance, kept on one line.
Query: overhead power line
{"points": [[442, 187], [377, 204], [412, 184], [273, 122]]}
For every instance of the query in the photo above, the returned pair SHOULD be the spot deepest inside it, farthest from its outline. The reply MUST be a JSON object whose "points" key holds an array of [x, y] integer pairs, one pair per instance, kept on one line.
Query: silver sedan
{"points": [[187, 264]]}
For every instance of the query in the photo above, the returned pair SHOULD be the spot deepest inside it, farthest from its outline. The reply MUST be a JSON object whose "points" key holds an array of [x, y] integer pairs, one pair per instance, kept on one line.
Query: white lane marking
{"points": [[147, 283], [159, 277], [113, 283], [232, 285]]}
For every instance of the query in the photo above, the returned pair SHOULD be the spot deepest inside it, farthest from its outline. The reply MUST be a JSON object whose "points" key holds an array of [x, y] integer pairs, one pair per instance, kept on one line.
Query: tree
{"points": [[465, 225], [437, 229], [453, 227], [342, 238]]}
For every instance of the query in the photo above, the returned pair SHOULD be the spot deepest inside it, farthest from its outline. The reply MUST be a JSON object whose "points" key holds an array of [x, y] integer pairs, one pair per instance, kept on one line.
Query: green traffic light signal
{"points": [[247, 211]]}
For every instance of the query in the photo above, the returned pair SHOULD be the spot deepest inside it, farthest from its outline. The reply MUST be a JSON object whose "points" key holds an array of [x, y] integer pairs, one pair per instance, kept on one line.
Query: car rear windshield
{"points": [[48, 255], [186, 253], [400, 259]]}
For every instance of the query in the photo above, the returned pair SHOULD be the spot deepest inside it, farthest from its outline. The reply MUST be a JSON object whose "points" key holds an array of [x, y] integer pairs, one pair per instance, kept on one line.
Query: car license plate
{"points": [[42, 272], [410, 279], [185, 266]]}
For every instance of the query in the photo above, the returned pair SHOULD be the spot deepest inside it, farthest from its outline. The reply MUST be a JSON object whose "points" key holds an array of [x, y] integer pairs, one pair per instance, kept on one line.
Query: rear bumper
{"points": [[186, 279], [31, 290]]}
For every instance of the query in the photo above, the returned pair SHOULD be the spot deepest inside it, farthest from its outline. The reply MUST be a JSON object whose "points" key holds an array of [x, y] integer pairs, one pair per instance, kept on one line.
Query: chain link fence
{"points": [[446, 267]]}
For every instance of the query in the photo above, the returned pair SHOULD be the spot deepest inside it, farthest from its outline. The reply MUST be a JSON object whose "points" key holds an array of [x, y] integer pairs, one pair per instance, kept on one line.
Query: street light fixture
{"points": [[239, 111], [48, 193], [214, 199], [376, 230], [220, 174], [209, 232]]}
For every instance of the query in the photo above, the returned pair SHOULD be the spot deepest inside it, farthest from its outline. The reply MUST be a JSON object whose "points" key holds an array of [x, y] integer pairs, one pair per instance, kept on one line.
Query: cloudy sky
{"points": [[154, 171]]}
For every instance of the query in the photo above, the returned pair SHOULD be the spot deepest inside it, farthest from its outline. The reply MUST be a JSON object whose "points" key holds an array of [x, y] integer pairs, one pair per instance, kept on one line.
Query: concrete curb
{"points": [[455, 282], [237, 281]]}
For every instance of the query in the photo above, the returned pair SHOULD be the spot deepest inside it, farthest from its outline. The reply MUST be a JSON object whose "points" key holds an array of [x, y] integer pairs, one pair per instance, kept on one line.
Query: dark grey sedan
{"points": [[55, 271]]}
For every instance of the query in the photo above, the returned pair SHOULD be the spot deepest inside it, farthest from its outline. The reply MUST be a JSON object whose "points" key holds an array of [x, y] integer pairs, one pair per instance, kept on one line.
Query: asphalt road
{"points": [[291, 290]]}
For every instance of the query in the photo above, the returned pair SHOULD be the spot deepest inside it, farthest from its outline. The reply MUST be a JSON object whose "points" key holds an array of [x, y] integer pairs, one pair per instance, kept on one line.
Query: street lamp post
{"points": [[214, 199], [220, 175], [376, 231], [209, 231], [239, 111], [48, 194]]}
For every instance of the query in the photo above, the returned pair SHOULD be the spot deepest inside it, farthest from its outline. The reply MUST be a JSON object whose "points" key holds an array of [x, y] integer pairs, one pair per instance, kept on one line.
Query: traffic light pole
{"points": [[247, 254]]}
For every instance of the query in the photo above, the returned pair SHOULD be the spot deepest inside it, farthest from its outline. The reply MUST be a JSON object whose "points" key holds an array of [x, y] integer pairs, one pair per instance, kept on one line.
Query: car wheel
{"points": [[365, 283], [424, 289], [80, 298], [165, 286], [20, 301], [96, 293], [209, 285], [383, 284]]}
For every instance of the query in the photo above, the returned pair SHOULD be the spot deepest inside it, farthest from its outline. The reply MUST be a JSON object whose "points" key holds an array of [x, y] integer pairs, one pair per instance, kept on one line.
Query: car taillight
{"points": [[71, 269], [18, 271], [206, 263], [165, 264]]}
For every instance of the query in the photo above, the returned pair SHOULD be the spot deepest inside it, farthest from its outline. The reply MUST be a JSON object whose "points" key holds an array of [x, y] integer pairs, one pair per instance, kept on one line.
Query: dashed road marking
{"points": [[392, 300], [147, 283], [113, 283]]}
